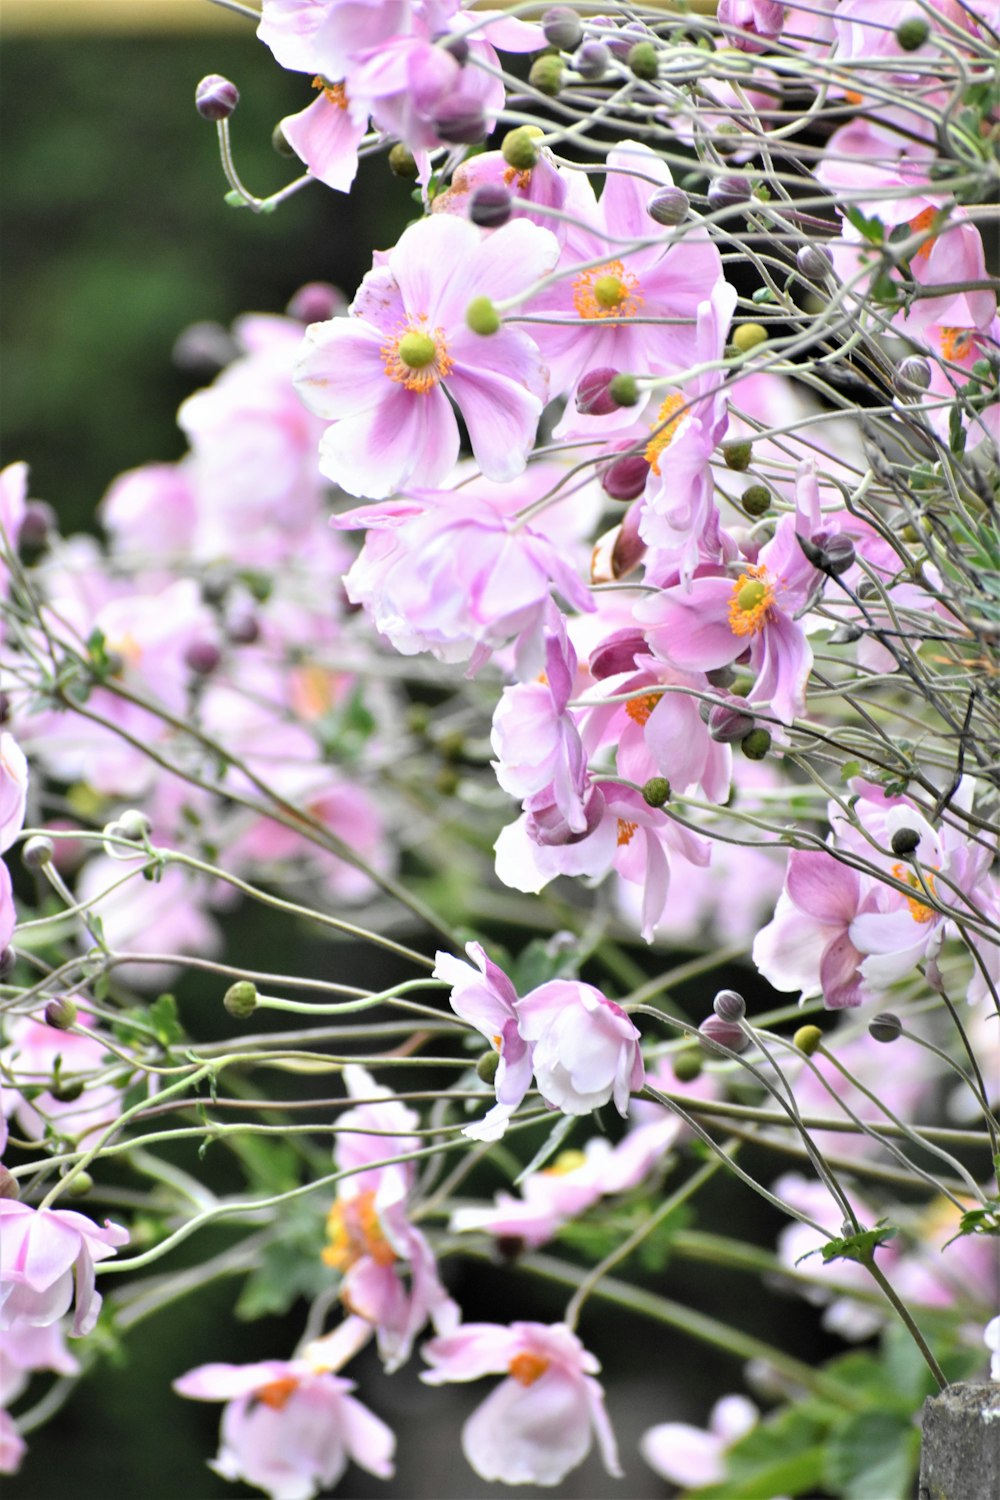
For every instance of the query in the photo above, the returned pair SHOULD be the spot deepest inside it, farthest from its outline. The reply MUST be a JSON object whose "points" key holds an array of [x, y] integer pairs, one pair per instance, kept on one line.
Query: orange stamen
{"points": [[924, 220], [277, 1393], [355, 1231], [639, 709], [625, 832], [918, 911], [607, 292], [666, 426], [956, 343], [750, 605], [335, 92], [527, 1368], [425, 376]]}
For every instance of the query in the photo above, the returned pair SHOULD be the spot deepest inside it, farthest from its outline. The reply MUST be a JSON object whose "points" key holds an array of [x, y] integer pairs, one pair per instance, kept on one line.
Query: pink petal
{"points": [[340, 372]]}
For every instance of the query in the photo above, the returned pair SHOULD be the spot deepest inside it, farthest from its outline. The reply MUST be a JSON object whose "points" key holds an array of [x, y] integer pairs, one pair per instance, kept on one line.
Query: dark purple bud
{"points": [[215, 98], [490, 205], [814, 261], [8, 958], [729, 1006], [546, 825], [202, 657], [316, 302], [5, 707], [39, 524], [829, 552], [625, 478], [460, 122], [904, 841], [726, 1033], [591, 61], [728, 191], [243, 629], [885, 1027], [668, 206], [628, 548], [60, 1013], [593, 394], [729, 724], [562, 28], [622, 42], [617, 653], [721, 677]]}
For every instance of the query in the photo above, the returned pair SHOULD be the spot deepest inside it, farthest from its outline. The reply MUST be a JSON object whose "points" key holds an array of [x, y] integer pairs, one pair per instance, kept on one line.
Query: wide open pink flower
{"points": [[290, 1428], [541, 1420], [383, 376], [47, 1255]]}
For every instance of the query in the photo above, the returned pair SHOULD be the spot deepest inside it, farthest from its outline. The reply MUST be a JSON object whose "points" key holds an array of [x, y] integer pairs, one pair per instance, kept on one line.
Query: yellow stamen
{"points": [[639, 709], [750, 606], [565, 1162], [918, 911], [519, 179], [335, 92], [666, 426], [607, 292], [956, 343], [625, 832], [354, 1231], [527, 1368], [416, 358]]}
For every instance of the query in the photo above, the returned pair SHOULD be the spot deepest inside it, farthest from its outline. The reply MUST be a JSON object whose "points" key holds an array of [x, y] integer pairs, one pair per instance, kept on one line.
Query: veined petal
{"points": [[340, 372], [408, 436]]}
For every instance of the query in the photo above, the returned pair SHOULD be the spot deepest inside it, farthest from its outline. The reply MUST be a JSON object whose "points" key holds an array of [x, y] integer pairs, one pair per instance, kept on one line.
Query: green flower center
{"points": [[609, 291], [416, 350]]}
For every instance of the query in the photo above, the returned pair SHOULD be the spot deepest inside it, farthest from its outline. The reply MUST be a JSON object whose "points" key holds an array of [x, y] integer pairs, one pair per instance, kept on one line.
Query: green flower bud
{"points": [[737, 454], [757, 744], [643, 61], [60, 1013], [623, 390], [656, 792], [37, 852], [482, 317], [240, 999], [518, 147], [748, 335], [807, 1039], [280, 142], [486, 1066], [687, 1064], [756, 500], [402, 163], [80, 1184], [904, 841], [546, 74], [912, 33]]}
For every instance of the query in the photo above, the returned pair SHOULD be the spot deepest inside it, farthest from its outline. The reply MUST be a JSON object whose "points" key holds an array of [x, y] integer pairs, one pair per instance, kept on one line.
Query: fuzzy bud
{"points": [[134, 825], [808, 1039], [912, 374], [486, 1066], [814, 262], [725, 1033], [316, 302], [593, 393], [757, 744], [624, 390], [729, 1006], [482, 317], [240, 999], [37, 852], [280, 144], [215, 98], [243, 629], [79, 1184], [625, 478], [656, 792], [912, 32], [202, 657], [60, 1013], [460, 123], [904, 841], [728, 191], [737, 454], [40, 522], [728, 724], [562, 28], [8, 1185], [643, 61], [687, 1065], [402, 163], [617, 652], [591, 61], [756, 500], [885, 1027], [518, 147], [8, 958], [546, 74], [490, 205], [749, 336], [829, 552], [668, 206]]}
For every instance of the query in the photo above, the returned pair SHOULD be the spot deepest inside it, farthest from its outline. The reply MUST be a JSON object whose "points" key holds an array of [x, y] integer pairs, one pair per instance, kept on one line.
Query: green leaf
{"points": [[289, 1268], [873, 230], [872, 1455], [544, 959], [162, 1016], [781, 1456], [860, 1246]]}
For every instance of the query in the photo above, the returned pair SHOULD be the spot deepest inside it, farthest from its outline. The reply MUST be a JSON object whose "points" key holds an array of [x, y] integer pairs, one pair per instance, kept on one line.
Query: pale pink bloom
{"points": [[541, 1421], [484, 996], [151, 512], [585, 1050], [47, 1257], [808, 945], [28, 1062], [798, 1249], [449, 574], [8, 913], [751, 24], [290, 1427], [326, 36], [325, 136], [12, 1445], [13, 789], [939, 1267], [693, 1456], [170, 916], [13, 502], [383, 375], [546, 184], [23, 1349], [991, 1338]]}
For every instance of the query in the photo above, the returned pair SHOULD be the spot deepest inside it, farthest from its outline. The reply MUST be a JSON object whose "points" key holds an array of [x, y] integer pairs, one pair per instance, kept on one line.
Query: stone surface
{"points": [[960, 1453]]}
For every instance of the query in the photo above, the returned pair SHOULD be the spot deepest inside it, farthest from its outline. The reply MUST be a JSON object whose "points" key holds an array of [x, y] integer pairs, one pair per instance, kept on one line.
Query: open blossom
{"points": [[13, 789], [290, 1426], [541, 1420], [29, 1063], [585, 1050], [484, 996], [47, 1257], [693, 1456], [807, 945], [383, 376]]}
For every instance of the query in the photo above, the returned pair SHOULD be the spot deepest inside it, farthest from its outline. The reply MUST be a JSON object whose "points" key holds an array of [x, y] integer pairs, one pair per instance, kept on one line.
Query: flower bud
{"points": [[546, 74], [134, 825], [316, 302], [456, 46], [687, 1064], [591, 61], [625, 478], [38, 525], [68, 1091], [243, 629], [593, 393], [402, 163], [757, 744], [482, 317], [726, 1033], [562, 28], [904, 841], [624, 390], [845, 635], [617, 652], [728, 191], [656, 792], [912, 374], [814, 262], [729, 1006], [60, 1013], [8, 958], [756, 500], [668, 206], [240, 999], [215, 98], [643, 61], [280, 144], [728, 724], [460, 122], [486, 1066], [202, 657], [737, 454], [37, 852], [829, 552], [721, 677], [808, 1039], [885, 1027], [749, 336], [490, 205], [8, 1185], [912, 32], [518, 147]]}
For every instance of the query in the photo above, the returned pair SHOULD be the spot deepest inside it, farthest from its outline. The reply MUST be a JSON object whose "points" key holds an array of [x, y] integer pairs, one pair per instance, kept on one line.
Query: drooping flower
{"points": [[541, 1420], [585, 1050], [485, 997], [807, 945], [47, 1258], [693, 1456], [383, 376]]}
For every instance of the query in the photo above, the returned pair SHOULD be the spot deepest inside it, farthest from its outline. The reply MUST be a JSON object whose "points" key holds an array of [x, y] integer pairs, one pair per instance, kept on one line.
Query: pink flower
{"points": [[44, 1254], [541, 1420], [383, 376], [585, 1050], [808, 945], [13, 789], [8, 913], [692, 1457], [751, 24], [485, 997], [151, 511], [326, 136], [290, 1428], [29, 1062], [13, 501], [22, 1350]]}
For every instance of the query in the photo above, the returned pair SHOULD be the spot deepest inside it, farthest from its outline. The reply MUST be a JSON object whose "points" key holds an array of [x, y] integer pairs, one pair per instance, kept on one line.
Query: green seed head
{"points": [[416, 350], [518, 147], [748, 336], [807, 1039], [643, 61], [482, 317]]}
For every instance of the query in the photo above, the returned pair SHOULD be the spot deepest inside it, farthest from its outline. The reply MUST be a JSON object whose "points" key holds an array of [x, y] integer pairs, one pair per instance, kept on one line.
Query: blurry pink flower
{"points": [[692, 1456], [326, 36], [170, 916], [13, 789], [8, 914], [383, 375], [290, 1428], [541, 1420], [28, 1062], [24, 1349], [585, 1049], [751, 24], [46, 1255], [151, 512], [13, 500], [485, 997], [991, 1338], [12, 1445], [807, 945]]}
